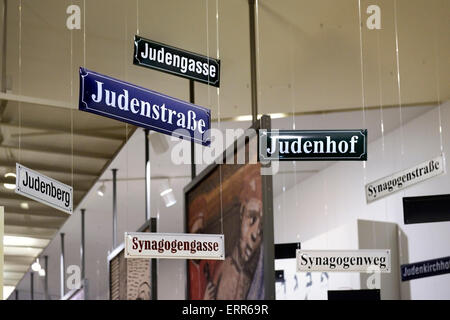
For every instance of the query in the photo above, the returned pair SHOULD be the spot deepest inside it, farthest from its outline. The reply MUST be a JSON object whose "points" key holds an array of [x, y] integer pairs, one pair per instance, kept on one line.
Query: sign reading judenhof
{"points": [[386, 186], [174, 245], [36, 186], [123, 101], [310, 145], [186, 64]]}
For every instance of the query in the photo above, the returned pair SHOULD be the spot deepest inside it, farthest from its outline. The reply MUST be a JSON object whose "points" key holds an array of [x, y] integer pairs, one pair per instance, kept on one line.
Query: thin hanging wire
{"points": [[20, 80], [71, 100], [380, 95], [438, 89], [137, 17], [292, 85], [363, 94], [84, 33], [218, 108], [398, 81], [380, 91], [126, 124]]}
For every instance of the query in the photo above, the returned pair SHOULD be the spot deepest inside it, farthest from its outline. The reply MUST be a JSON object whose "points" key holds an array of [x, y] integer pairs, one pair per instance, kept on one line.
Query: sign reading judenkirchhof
{"points": [[288, 145], [174, 245], [424, 269], [403, 179], [155, 55], [364, 261], [41, 188], [123, 101]]}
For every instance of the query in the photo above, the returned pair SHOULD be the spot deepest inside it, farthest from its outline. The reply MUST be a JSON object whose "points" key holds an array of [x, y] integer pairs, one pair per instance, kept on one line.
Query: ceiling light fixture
{"points": [[36, 265], [101, 190], [272, 116], [12, 184], [25, 205], [42, 273], [167, 194]]}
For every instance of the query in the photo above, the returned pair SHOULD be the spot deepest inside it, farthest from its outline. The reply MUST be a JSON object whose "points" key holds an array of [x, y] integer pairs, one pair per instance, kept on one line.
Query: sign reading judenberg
{"points": [[365, 261], [155, 55], [145, 108], [403, 179], [325, 145], [174, 245], [36, 186]]}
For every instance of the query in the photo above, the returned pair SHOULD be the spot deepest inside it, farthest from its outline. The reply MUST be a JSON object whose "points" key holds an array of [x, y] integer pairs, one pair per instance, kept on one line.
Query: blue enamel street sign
{"points": [[425, 268], [123, 101]]}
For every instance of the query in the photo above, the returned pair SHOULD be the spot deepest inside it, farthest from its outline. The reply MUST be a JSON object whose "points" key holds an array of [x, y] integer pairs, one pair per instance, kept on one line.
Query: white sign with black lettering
{"points": [[365, 261], [174, 245], [36, 186], [386, 186]]}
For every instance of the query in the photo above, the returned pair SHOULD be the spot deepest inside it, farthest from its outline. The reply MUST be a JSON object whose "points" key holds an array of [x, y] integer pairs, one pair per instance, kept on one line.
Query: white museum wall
{"points": [[335, 197]]}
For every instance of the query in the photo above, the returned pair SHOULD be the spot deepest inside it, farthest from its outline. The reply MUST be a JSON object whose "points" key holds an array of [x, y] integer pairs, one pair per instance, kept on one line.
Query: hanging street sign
{"points": [[388, 185], [426, 268], [174, 245], [43, 189], [308, 145], [364, 261], [162, 57], [123, 101]]}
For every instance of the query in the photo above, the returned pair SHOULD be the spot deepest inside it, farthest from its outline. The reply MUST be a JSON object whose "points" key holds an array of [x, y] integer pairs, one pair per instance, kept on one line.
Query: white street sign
{"points": [[36, 186], [174, 245], [386, 186], [365, 261]]}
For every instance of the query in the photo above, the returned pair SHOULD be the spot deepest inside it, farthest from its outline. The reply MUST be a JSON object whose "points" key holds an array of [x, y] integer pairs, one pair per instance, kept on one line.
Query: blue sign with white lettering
{"points": [[425, 269], [145, 108]]}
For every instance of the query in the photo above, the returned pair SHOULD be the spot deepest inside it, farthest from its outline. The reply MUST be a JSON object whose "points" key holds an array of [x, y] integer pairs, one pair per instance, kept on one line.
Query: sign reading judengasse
{"points": [[123, 101], [174, 245], [36, 186], [155, 55]]}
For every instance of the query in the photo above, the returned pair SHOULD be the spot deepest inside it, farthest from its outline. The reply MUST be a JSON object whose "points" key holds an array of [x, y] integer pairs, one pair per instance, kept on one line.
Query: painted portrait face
{"points": [[251, 229]]}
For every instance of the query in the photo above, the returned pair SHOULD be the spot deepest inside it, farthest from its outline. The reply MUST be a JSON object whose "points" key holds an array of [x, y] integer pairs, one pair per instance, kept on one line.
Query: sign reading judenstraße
{"points": [[403, 179], [307, 145], [174, 245], [162, 57], [41, 188], [123, 101]]}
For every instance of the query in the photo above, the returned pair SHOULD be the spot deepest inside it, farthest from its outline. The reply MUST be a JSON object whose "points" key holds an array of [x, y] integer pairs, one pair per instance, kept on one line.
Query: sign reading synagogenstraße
{"points": [[403, 179], [426, 268], [36, 186], [162, 57], [174, 245], [123, 101], [288, 145]]}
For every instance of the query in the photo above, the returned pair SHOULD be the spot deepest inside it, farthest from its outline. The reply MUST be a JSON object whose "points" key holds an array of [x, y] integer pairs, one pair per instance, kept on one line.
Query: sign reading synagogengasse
{"points": [[403, 179], [123, 101], [309, 145], [162, 57], [174, 245], [36, 186]]}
